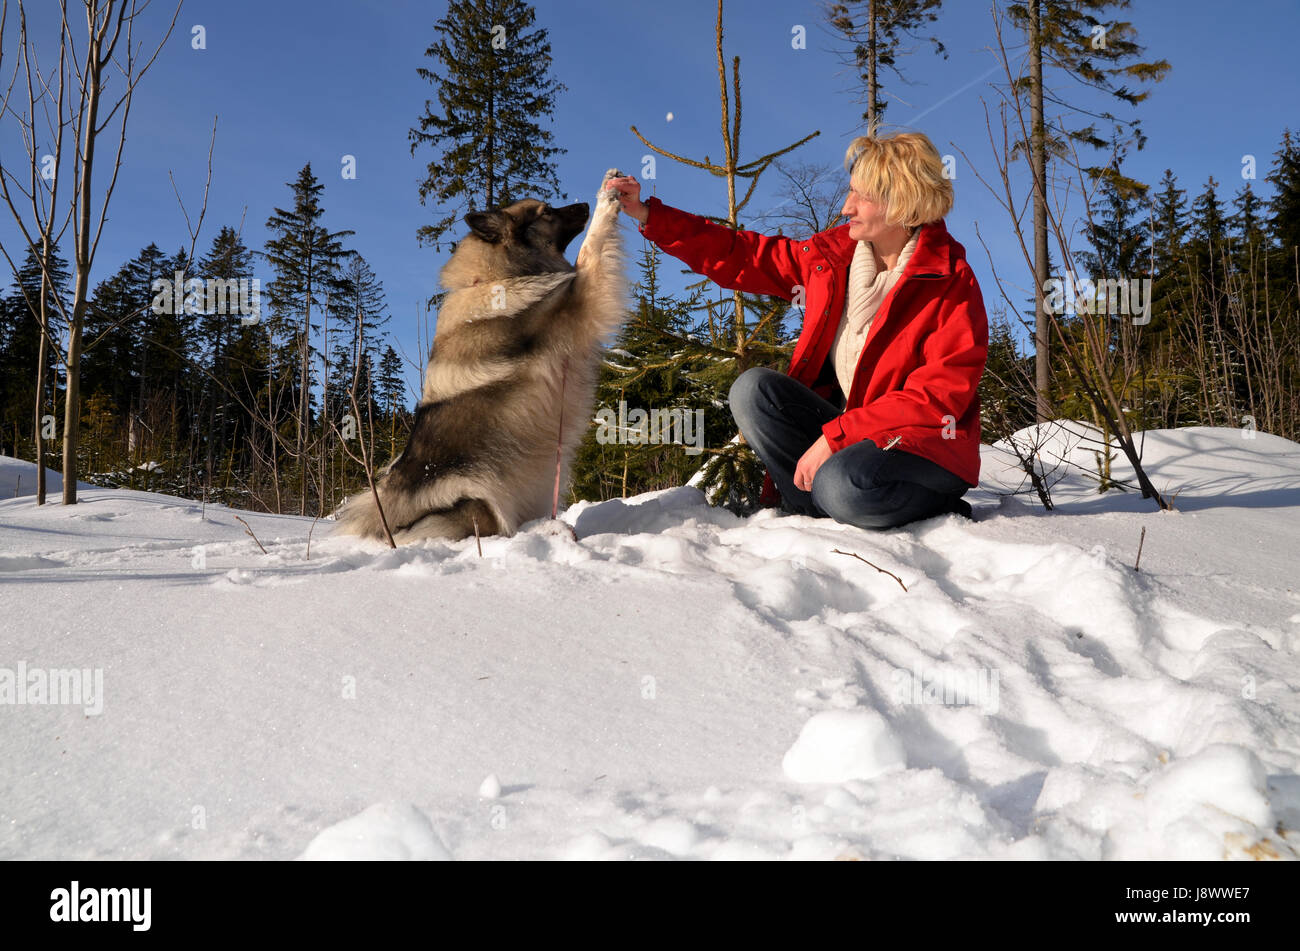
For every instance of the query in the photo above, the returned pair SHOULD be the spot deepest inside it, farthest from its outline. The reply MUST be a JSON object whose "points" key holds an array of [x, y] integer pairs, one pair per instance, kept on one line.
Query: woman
{"points": [[878, 421]]}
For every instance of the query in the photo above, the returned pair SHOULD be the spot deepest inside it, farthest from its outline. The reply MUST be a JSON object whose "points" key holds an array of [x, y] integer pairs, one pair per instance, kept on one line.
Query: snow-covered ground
{"points": [[676, 682]]}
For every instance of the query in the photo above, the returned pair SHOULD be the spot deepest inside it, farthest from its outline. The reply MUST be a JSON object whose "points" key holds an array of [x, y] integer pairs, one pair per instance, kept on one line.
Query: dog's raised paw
{"points": [[609, 195]]}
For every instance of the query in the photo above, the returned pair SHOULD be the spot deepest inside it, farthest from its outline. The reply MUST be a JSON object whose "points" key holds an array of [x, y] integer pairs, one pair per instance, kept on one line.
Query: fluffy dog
{"points": [[516, 351]]}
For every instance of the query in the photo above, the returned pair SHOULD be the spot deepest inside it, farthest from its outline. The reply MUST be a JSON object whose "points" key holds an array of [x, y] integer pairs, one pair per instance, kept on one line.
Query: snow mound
{"points": [[841, 745], [385, 832], [1211, 805]]}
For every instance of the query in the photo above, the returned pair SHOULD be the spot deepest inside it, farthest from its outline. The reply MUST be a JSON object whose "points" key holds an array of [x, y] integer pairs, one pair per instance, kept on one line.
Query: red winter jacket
{"points": [[919, 373]]}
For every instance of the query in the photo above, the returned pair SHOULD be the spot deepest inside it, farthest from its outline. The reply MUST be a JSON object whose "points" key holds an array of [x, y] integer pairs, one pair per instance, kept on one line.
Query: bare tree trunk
{"points": [[42, 357], [872, 85], [1038, 160], [72, 396], [304, 396]]}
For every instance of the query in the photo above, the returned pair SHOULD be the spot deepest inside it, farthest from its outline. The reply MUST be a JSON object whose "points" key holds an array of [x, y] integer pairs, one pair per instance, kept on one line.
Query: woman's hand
{"points": [[810, 462], [629, 197]]}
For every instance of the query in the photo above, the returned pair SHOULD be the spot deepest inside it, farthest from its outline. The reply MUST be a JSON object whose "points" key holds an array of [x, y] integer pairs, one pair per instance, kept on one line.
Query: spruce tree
{"points": [[391, 387], [20, 350], [732, 336], [305, 256], [391, 383], [876, 28], [110, 365], [221, 332], [651, 369], [1284, 206], [141, 271], [491, 69], [1074, 39]]}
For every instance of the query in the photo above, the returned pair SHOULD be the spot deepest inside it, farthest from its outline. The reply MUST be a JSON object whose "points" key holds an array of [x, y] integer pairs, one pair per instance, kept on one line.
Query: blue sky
{"points": [[294, 81]]}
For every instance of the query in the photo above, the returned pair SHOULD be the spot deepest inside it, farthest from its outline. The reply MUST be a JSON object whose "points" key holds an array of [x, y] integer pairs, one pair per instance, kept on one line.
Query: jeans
{"points": [[861, 484]]}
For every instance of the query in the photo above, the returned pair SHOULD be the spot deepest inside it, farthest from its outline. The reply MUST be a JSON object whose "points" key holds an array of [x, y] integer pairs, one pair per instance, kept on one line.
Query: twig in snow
{"points": [[1141, 539], [309, 531], [559, 441], [477, 540], [251, 535], [852, 554]]}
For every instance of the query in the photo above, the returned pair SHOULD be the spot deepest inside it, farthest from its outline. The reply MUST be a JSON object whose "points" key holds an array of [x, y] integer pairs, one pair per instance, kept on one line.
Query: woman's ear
{"points": [[489, 225]]}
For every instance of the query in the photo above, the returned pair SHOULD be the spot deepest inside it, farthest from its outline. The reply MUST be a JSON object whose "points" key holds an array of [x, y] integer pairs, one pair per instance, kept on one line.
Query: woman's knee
{"points": [[747, 388], [848, 500]]}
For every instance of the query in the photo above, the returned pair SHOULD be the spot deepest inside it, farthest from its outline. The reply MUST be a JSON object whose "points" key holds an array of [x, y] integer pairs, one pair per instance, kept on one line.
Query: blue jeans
{"points": [[861, 484]]}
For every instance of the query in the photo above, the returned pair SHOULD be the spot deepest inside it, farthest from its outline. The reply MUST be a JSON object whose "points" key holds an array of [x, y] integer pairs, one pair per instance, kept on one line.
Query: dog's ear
{"points": [[489, 225]]}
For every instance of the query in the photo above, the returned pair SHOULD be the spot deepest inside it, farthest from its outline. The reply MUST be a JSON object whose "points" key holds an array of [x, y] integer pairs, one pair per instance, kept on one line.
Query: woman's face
{"points": [[866, 217]]}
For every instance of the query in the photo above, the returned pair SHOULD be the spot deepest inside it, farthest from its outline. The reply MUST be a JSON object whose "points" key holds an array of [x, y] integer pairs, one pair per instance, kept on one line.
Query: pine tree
{"points": [[392, 385], [1284, 206], [1006, 389], [113, 317], [359, 308], [1071, 37], [1168, 221], [1169, 217], [1208, 234], [729, 338], [20, 349], [338, 385], [129, 310], [170, 334], [1116, 231], [492, 73], [1209, 224], [1246, 228], [223, 330], [876, 28], [360, 313], [652, 374], [306, 257]]}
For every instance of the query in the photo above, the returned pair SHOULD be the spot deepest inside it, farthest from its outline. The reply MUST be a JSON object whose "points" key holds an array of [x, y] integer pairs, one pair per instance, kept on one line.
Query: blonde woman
{"points": [[876, 423]]}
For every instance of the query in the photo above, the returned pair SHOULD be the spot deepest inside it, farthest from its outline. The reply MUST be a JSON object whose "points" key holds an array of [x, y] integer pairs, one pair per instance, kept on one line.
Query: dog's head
{"points": [[525, 238]]}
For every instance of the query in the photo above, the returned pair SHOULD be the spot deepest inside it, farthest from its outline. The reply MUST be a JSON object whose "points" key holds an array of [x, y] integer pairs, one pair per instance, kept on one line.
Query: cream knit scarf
{"points": [[867, 290]]}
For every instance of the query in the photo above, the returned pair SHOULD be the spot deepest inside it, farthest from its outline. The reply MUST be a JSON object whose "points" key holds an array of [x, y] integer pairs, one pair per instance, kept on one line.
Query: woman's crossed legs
{"points": [[861, 484]]}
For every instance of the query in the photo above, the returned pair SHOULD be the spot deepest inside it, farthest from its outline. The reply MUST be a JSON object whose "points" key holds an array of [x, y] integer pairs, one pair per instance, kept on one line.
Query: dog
{"points": [[511, 375]]}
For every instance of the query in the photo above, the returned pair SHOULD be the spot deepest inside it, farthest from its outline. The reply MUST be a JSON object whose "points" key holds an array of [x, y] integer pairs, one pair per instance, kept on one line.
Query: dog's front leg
{"points": [[604, 224]]}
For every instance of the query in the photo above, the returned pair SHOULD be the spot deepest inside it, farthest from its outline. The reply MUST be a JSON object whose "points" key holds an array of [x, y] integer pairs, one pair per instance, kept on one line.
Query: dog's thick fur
{"points": [[517, 345]]}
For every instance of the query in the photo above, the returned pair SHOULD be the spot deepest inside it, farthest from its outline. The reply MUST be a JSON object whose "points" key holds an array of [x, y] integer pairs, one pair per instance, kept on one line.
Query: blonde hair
{"points": [[904, 171]]}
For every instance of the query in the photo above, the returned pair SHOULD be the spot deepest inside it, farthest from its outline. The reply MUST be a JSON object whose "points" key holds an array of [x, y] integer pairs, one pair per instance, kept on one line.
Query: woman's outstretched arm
{"points": [[737, 260]]}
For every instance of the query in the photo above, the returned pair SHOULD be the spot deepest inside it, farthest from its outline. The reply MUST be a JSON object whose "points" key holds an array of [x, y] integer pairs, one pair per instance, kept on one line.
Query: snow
{"points": [[384, 832], [836, 746], [675, 682]]}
